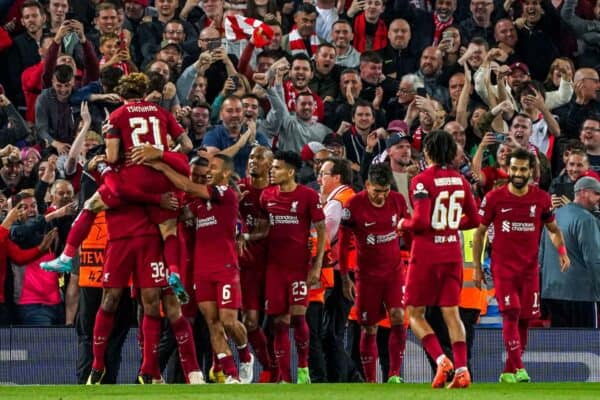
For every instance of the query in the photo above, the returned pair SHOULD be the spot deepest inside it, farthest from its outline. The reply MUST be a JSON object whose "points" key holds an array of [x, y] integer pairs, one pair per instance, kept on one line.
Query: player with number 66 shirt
{"points": [[442, 204]]}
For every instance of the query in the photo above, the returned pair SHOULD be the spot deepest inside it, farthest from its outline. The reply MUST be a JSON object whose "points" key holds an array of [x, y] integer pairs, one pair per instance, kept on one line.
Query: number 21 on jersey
{"points": [[140, 128], [447, 210]]}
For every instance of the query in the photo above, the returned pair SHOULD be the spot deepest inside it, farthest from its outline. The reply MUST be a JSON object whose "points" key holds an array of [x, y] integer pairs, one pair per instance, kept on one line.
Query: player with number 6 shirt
{"points": [[216, 270], [442, 204], [517, 212]]}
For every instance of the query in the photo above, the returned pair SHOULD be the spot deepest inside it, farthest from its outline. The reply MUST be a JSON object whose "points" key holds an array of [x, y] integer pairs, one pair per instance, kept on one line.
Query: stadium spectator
{"points": [[341, 37], [326, 76], [355, 135], [590, 137], [229, 139], [562, 187], [376, 87], [12, 125], [24, 51], [479, 23], [303, 39], [17, 255], [430, 68], [571, 296], [399, 56], [587, 30]]}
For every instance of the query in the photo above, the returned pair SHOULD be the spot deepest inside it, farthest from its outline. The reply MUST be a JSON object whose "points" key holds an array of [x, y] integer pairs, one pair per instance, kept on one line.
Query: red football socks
{"points": [[523, 328], [282, 350], [368, 356], [301, 337], [396, 345], [151, 327], [510, 334], [185, 344], [432, 346], [228, 364], [244, 353], [171, 252], [79, 231], [258, 340], [459, 353], [102, 329]]}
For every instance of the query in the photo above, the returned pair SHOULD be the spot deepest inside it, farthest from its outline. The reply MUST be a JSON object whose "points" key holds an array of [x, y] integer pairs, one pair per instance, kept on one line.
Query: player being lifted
{"points": [[517, 211], [442, 204], [130, 126], [372, 217]]}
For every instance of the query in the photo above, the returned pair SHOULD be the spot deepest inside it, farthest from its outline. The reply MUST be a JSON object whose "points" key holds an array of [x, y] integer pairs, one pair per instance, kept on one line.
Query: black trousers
{"points": [[572, 314], [316, 359], [89, 303], [468, 316], [335, 319]]}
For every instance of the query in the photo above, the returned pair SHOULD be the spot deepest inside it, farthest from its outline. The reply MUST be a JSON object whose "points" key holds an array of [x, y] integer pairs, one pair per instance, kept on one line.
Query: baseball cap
{"points": [[333, 139], [587, 182], [519, 65], [398, 125], [395, 138], [310, 149], [143, 3], [166, 43]]}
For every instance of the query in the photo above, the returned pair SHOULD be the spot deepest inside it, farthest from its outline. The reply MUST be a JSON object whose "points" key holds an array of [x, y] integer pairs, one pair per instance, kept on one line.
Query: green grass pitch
{"points": [[531, 391]]}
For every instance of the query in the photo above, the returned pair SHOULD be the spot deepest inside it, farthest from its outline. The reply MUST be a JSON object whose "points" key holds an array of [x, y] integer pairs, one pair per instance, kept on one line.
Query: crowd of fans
{"points": [[364, 80]]}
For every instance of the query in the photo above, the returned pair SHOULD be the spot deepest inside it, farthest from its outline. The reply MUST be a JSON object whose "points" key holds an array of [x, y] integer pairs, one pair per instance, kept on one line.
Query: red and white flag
{"points": [[238, 27]]}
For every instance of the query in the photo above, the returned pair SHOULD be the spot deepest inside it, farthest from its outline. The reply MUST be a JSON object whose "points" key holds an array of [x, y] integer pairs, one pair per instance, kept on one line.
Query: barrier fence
{"points": [[30, 355]]}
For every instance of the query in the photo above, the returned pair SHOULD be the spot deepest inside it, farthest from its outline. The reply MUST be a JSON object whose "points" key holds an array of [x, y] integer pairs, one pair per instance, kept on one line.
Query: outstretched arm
{"points": [[181, 182]]}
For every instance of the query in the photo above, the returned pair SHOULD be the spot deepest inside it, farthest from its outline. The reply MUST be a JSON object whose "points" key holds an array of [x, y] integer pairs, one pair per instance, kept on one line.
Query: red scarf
{"points": [[439, 27], [298, 46], [360, 37], [291, 93]]}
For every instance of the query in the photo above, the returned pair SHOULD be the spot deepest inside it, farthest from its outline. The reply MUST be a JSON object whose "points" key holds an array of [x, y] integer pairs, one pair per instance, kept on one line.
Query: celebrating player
{"points": [[216, 271], [253, 260], [131, 125], [439, 196], [291, 208], [517, 212], [372, 216]]}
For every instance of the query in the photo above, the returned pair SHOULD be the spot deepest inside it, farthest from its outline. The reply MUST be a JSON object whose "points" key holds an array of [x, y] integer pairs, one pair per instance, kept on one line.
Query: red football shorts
{"points": [[285, 288], [434, 284], [220, 287], [375, 295], [138, 257], [520, 292], [253, 288]]}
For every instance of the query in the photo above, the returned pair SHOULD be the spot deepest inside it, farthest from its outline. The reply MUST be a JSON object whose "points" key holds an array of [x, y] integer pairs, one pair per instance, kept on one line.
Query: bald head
{"points": [[431, 61], [399, 34]]}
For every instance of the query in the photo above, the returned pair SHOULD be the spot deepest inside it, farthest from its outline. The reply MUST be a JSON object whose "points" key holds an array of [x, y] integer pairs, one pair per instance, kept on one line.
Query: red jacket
{"points": [[31, 83], [9, 250]]}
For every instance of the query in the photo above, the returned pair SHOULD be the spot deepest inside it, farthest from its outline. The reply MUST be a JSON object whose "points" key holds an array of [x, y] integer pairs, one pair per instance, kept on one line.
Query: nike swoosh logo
{"points": [[271, 204], [505, 210], [298, 299], [226, 302], [367, 224]]}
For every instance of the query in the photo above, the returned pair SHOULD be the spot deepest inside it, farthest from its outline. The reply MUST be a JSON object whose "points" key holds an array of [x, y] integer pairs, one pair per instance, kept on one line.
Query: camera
{"points": [[500, 137]]}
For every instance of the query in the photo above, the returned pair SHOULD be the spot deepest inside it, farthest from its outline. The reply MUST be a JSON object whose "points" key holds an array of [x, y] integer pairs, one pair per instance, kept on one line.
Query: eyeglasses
{"points": [[406, 91], [321, 173]]}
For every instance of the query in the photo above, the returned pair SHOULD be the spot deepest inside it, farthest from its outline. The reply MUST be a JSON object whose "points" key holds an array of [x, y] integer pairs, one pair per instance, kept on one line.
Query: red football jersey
{"points": [[142, 122], [290, 216], [129, 220], [255, 255], [216, 219], [375, 229], [517, 226], [442, 203]]}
